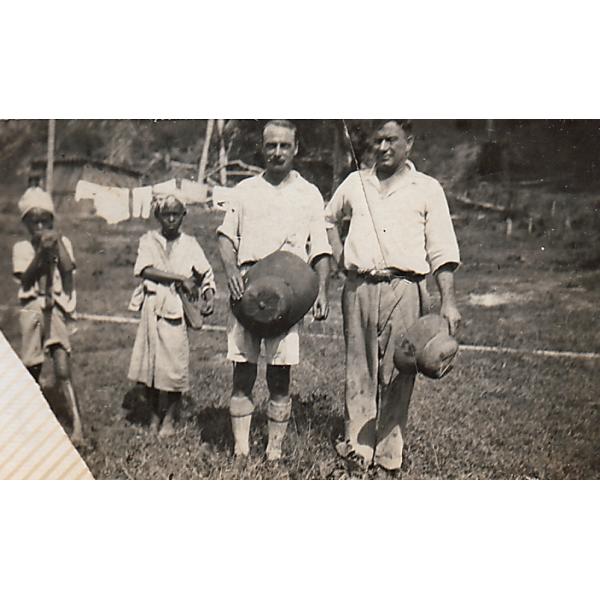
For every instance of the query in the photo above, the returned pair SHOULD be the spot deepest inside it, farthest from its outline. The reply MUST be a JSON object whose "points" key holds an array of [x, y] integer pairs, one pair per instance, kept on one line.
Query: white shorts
{"points": [[243, 346]]}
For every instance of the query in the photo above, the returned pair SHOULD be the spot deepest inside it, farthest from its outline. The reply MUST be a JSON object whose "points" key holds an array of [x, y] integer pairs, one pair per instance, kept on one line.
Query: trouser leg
{"points": [[359, 308], [393, 416], [242, 407], [279, 408], [399, 308]]}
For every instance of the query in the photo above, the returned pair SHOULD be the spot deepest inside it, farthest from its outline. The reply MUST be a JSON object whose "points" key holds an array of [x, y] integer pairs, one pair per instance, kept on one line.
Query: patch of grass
{"points": [[494, 416]]}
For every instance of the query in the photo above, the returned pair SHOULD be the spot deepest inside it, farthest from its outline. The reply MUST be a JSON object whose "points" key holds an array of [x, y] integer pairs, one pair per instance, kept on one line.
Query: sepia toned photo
{"points": [[300, 299]]}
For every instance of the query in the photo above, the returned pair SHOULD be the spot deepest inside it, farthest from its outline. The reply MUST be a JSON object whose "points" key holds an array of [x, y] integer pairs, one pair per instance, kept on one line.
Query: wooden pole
{"points": [[336, 156], [204, 157], [50, 156], [222, 151]]}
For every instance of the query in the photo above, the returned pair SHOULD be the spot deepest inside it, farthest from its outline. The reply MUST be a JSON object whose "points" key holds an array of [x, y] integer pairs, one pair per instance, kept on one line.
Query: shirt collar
{"points": [[292, 176], [162, 240], [371, 177]]}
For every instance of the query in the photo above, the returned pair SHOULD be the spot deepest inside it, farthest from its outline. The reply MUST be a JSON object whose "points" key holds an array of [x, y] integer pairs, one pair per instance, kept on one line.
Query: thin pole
{"points": [[222, 151], [490, 127], [50, 156], [204, 158]]}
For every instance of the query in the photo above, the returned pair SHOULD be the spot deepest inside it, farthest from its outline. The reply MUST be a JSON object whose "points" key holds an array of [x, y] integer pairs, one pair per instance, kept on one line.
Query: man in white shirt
{"points": [[400, 230], [277, 210]]}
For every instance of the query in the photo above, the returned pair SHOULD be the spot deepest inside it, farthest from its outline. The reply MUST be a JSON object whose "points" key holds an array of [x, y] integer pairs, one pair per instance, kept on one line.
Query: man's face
{"points": [[392, 147], [279, 148], [38, 220], [170, 216]]}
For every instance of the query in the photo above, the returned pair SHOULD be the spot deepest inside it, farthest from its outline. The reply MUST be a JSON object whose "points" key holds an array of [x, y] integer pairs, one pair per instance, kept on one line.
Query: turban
{"points": [[160, 200], [35, 198]]}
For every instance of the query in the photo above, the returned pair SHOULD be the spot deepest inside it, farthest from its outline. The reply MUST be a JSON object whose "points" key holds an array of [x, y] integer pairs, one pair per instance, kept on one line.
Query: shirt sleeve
{"points": [[22, 255], [145, 256], [338, 205], [203, 268], [440, 239], [231, 223], [319, 243]]}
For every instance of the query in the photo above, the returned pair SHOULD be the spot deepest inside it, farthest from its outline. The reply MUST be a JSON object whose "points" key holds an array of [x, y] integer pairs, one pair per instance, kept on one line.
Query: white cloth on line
{"points": [[193, 192], [165, 187], [112, 204], [222, 196], [86, 190], [141, 201]]}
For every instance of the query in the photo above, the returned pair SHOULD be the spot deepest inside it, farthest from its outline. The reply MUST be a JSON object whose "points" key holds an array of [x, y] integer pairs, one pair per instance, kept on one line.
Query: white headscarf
{"points": [[161, 200], [35, 198]]}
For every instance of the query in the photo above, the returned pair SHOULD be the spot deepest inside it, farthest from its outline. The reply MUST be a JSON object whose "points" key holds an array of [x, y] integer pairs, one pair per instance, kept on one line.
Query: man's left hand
{"points": [[450, 312], [321, 307]]}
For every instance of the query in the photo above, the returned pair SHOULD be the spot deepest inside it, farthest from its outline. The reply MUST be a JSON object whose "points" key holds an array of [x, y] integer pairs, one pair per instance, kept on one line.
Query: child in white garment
{"points": [[167, 260]]}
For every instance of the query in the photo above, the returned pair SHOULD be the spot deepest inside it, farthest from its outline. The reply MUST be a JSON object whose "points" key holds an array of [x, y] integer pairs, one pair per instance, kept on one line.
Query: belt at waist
{"points": [[385, 275]]}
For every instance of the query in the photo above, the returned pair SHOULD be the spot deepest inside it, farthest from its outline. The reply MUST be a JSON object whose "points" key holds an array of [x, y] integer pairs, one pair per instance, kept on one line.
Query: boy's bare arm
{"points": [[166, 277], [37, 267], [65, 266]]}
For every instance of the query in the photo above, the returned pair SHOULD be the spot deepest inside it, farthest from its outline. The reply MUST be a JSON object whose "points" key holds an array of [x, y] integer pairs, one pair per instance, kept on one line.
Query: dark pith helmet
{"points": [[426, 348], [279, 290]]}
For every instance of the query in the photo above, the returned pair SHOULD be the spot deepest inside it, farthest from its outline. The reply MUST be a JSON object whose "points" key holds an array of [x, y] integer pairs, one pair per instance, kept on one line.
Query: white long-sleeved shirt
{"points": [[414, 228]]}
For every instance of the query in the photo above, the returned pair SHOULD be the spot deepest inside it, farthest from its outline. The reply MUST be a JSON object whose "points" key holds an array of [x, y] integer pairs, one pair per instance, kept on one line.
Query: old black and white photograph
{"points": [[299, 300], [304, 298]]}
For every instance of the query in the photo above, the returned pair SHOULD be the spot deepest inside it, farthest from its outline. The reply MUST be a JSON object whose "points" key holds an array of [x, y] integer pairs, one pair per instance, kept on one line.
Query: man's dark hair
{"points": [[404, 124], [282, 123]]}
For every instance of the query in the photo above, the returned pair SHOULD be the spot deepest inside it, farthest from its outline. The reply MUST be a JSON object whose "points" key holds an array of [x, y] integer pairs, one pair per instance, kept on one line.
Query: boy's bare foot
{"points": [[154, 424], [77, 438], [167, 428]]}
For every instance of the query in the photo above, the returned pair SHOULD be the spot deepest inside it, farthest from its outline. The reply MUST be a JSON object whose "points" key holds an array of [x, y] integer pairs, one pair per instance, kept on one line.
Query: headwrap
{"points": [[159, 201], [35, 198]]}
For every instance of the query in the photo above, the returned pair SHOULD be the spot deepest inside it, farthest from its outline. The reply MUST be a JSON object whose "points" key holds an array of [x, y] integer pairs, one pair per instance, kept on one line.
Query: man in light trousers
{"points": [[400, 230]]}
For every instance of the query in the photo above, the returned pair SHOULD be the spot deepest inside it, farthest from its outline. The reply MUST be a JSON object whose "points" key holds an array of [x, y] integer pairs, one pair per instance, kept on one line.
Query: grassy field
{"points": [[495, 416]]}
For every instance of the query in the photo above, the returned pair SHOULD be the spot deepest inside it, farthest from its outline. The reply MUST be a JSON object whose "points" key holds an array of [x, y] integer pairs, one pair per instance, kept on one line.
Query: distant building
{"points": [[69, 170]]}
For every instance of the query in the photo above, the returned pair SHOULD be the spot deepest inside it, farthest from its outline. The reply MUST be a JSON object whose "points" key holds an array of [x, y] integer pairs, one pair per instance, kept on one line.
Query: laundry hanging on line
{"points": [[166, 187], [193, 192], [110, 203], [141, 202], [222, 196]]}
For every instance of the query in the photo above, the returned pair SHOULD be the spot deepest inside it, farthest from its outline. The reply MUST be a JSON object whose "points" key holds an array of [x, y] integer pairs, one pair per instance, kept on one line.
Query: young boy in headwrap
{"points": [[168, 261], [45, 268]]}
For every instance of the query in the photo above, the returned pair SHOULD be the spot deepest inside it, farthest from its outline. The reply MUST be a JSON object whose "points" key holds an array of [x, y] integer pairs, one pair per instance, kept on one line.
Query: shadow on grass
{"points": [[137, 405], [214, 423], [58, 405]]}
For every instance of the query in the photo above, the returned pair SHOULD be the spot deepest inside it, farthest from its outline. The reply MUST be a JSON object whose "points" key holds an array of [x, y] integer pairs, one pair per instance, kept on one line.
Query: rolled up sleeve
{"points": [[145, 256], [319, 243], [336, 209], [22, 255], [231, 224], [440, 238]]}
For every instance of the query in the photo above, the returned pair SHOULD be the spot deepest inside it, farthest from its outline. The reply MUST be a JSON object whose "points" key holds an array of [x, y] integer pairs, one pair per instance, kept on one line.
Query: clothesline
{"points": [[113, 203]]}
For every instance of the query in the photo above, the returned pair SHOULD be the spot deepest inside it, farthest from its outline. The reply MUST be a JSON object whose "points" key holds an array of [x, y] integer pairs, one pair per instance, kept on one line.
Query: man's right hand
{"points": [[235, 282]]}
